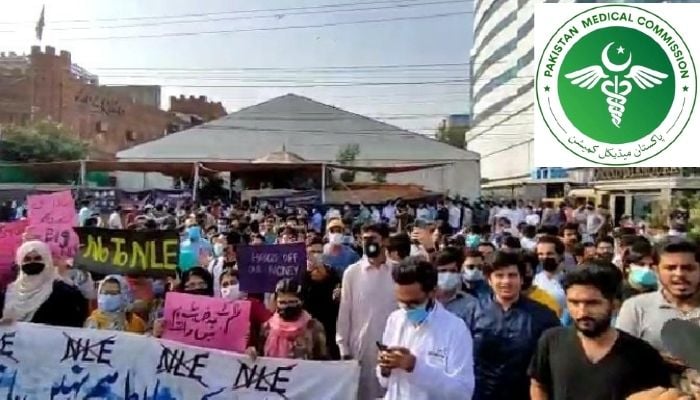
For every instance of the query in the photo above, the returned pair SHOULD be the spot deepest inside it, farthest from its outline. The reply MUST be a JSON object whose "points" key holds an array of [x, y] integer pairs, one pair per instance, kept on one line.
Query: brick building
{"points": [[198, 107], [46, 85]]}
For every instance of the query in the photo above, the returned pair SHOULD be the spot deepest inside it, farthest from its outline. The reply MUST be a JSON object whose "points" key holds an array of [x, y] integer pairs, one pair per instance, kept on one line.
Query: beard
{"points": [[593, 328]]}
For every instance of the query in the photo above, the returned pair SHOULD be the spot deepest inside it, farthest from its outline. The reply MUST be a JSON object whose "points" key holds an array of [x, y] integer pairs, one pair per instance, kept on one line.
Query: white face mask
{"points": [[231, 292], [335, 238]]}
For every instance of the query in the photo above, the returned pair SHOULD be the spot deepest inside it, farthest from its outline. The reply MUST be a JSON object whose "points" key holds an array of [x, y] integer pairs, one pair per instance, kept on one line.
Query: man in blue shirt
{"points": [[338, 255], [506, 328]]}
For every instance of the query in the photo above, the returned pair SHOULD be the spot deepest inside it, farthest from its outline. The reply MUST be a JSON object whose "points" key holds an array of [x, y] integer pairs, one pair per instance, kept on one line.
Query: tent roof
{"points": [[311, 130]]}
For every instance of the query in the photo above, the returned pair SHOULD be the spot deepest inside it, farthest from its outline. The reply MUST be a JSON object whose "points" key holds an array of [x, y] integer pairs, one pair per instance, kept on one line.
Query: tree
{"points": [[452, 135], [346, 156], [379, 177], [43, 141]]}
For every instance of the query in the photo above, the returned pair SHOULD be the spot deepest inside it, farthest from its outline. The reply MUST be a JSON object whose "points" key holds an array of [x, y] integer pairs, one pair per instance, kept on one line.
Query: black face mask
{"points": [[372, 250], [33, 268], [550, 264], [290, 313], [199, 292]]}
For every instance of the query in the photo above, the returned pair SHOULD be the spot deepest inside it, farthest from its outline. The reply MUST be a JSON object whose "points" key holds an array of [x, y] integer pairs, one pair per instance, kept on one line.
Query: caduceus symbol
{"points": [[616, 89]]}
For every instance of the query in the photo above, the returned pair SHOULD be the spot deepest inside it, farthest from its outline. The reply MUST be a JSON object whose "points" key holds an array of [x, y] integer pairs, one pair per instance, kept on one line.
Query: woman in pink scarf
{"points": [[291, 332]]}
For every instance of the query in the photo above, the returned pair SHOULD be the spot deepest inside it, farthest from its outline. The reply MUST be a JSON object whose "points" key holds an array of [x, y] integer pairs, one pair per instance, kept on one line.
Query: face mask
{"points": [[643, 276], [231, 293], [448, 281], [550, 264], [473, 240], [33, 268], [335, 238], [472, 275], [417, 315], [158, 288], [194, 233], [218, 249], [290, 313], [109, 302], [372, 250]]}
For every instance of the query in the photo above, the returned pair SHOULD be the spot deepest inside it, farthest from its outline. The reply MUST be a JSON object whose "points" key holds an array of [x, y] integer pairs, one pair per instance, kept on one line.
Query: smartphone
{"points": [[382, 347]]}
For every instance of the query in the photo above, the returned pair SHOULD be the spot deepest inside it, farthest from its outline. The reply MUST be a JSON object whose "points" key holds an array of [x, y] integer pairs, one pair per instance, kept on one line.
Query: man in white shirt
{"points": [[84, 212], [531, 217], [115, 219], [366, 301], [426, 352], [550, 252], [389, 213], [455, 216]]}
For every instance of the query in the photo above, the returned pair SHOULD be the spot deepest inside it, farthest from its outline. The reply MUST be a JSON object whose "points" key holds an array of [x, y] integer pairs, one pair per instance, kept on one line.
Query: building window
{"points": [[130, 135], [101, 127]]}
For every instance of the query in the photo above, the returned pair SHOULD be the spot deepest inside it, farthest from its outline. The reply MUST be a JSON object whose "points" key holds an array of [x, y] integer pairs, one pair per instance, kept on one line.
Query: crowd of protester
{"points": [[447, 300]]}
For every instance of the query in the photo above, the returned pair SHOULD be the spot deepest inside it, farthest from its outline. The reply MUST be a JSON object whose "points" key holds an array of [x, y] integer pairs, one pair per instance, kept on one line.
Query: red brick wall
{"points": [[207, 110], [56, 94]]}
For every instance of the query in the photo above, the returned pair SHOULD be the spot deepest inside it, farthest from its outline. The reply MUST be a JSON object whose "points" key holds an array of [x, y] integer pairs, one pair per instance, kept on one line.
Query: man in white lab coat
{"points": [[426, 351]]}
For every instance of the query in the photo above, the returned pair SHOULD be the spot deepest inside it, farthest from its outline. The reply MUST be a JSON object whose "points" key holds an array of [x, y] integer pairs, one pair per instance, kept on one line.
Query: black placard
{"points": [[114, 251]]}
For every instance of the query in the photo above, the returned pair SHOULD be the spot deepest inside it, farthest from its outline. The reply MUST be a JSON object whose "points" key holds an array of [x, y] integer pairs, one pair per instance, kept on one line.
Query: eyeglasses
{"points": [[196, 286], [472, 266], [288, 303]]}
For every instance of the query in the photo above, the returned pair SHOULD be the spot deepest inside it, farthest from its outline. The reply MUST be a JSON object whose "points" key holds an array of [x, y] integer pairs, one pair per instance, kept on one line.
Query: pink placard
{"points": [[10, 239], [207, 322], [52, 218]]}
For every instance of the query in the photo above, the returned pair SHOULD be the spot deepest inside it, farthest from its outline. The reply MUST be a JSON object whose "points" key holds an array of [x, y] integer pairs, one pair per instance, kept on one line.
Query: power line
{"points": [[275, 28], [506, 148], [451, 82], [141, 18], [277, 15]]}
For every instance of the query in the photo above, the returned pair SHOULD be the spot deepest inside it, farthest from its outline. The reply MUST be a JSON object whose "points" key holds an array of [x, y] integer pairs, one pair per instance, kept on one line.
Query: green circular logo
{"points": [[616, 85]]}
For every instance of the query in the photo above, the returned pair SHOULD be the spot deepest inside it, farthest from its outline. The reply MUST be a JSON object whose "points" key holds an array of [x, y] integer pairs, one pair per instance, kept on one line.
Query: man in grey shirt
{"points": [[644, 315]]}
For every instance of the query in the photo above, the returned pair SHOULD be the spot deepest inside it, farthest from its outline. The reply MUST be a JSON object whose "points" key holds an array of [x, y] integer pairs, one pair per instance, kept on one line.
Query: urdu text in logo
{"points": [[616, 85]]}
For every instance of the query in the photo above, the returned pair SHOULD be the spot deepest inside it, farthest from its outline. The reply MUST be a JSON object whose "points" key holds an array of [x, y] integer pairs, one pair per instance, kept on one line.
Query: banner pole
{"points": [[323, 183], [195, 183]]}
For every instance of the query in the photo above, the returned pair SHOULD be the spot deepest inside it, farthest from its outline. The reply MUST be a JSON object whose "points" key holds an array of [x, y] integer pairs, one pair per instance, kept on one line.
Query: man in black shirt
{"points": [[593, 361]]}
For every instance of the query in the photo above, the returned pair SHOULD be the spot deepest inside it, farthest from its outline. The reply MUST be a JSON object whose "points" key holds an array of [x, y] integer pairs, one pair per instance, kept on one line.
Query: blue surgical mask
{"points": [[418, 314], [472, 275], [448, 281], [158, 287], [194, 233], [218, 249], [109, 302], [643, 276], [473, 240]]}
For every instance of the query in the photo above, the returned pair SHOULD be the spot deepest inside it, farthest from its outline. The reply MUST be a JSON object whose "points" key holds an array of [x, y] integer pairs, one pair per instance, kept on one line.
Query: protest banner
{"points": [[260, 267], [207, 322], [40, 362], [10, 240], [120, 251], [52, 218]]}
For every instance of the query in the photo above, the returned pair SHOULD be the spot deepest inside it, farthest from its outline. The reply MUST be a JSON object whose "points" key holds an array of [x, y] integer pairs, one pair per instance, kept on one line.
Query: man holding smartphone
{"points": [[426, 351]]}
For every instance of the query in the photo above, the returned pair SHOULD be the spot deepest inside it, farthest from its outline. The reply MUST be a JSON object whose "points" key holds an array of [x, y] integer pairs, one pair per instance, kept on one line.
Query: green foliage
{"points": [[40, 142], [346, 156], [454, 135]]}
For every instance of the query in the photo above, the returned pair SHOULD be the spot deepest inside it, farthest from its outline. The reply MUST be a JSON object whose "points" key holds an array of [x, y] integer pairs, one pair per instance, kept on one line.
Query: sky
{"points": [[243, 52]]}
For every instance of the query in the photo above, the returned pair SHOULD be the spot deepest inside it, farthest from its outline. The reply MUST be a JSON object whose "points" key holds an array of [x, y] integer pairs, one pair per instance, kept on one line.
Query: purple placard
{"points": [[260, 267]]}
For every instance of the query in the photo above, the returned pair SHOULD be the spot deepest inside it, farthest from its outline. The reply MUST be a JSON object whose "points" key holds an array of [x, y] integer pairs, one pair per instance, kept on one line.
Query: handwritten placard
{"points": [[207, 322], [120, 251], [41, 362], [261, 267], [10, 239], [52, 218]]}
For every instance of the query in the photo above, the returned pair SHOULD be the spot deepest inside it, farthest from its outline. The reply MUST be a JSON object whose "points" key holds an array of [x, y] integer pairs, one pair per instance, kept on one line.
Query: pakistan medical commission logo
{"points": [[616, 85]]}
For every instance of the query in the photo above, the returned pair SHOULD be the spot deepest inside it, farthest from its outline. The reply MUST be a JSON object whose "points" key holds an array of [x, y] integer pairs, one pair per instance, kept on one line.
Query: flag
{"points": [[40, 25]]}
